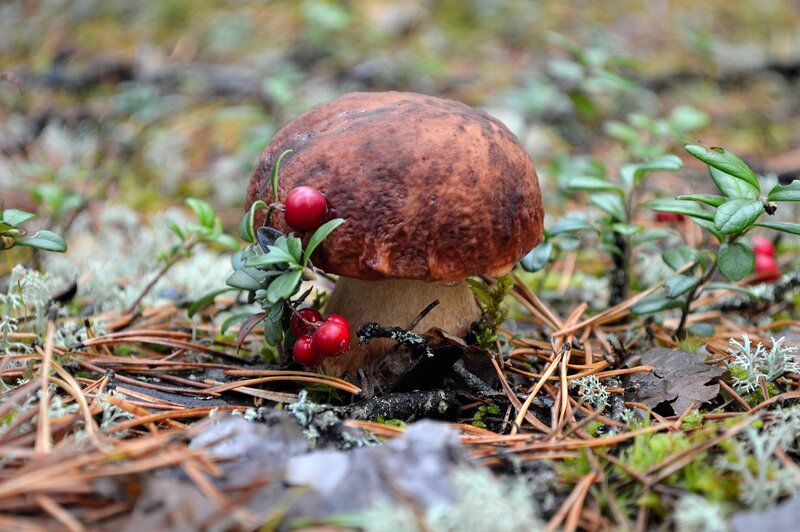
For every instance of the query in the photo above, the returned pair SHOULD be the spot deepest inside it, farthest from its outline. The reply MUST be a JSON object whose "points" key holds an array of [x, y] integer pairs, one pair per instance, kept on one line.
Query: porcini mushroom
{"points": [[432, 191]]}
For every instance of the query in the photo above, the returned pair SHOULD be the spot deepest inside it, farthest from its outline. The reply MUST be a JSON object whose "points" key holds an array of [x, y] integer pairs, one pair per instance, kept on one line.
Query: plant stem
{"points": [[180, 253], [620, 274], [680, 332]]}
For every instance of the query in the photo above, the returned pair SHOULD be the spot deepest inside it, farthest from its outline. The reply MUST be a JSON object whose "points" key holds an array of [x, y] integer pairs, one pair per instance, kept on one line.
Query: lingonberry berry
{"points": [[767, 268], [332, 337], [305, 209], [302, 322], [669, 217], [304, 351], [763, 246], [338, 318]]}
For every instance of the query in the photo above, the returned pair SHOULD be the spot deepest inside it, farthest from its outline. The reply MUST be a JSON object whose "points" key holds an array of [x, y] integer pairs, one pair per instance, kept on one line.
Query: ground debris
{"points": [[269, 472], [679, 378], [781, 518]]}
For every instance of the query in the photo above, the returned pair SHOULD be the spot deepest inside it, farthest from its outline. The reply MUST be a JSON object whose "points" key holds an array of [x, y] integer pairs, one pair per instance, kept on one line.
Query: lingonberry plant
{"points": [[273, 265], [728, 217], [12, 234], [619, 234]]}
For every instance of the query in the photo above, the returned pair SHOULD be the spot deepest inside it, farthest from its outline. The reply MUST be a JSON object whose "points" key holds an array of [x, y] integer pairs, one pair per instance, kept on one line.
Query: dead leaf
{"points": [[679, 379]]}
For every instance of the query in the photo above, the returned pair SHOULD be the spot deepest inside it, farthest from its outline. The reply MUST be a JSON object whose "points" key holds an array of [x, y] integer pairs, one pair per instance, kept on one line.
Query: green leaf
{"points": [[274, 174], [46, 240], [701, 329], [655, 303], [295, 248], [626, 229], [282, 243], [726, 161], [204, 212], [233, 319], [680, 284], [592, 184], [226, 241], [204, 301], [790, 192], [319, 235], [538, 257], [786, 227], [177, 230], [567, 242], [570, 225], [275, 255], [709, 226], [243, 281], [731, 186], [709, 199], [680, 256], [632, 173], [649, 235], [735, 260], [283, 286], [680, 207], [16, 217], [273, 331], [686, 118], [734, 288], [621, 131], [736, 215], [246, 224], [612, 204]]}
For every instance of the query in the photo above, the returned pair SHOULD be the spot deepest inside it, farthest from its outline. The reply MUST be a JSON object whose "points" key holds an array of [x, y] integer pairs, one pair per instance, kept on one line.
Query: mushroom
{"points": [[432, 191]]}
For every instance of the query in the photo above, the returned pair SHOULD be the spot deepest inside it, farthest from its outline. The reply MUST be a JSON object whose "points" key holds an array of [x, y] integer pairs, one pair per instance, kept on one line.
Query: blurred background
{"points": [[114, 111]]}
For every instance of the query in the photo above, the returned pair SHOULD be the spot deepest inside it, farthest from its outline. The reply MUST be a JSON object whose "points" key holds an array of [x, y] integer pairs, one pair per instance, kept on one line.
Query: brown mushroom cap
{"points": [[431, 189]]}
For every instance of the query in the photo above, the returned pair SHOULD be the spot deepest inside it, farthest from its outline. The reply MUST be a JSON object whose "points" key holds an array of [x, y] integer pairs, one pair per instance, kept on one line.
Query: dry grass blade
{"points": [[59, 513], [571, 506], [292, 377], [43, 434], [523, 409]]}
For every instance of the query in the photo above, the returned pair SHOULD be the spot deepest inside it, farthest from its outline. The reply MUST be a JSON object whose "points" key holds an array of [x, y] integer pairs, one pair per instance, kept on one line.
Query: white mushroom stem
{"points": [[395, 303]]}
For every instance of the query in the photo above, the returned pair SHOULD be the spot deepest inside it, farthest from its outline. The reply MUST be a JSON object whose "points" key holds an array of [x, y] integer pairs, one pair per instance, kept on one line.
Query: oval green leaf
{"points": [[592, 184], [538, 257], [722, 159], [790, 192], [736, 215], [655, 303], [283, 286], [46, 240], [786, 227], [319, 235], [731, 186], [681, 207], [16, 217], [708, 199], [612, 204], [735, 260], [570, 225], [678, 285]]}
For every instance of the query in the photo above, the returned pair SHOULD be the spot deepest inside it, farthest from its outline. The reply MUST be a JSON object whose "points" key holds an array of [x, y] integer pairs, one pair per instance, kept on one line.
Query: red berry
{"points": [[305, 209], [332, 338], [767, 268], [299, 327], [763, 246], [338, 318], [304, 351], [669, 217]]}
